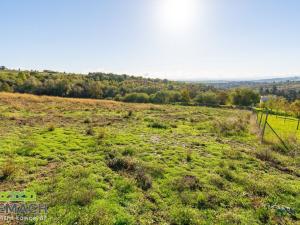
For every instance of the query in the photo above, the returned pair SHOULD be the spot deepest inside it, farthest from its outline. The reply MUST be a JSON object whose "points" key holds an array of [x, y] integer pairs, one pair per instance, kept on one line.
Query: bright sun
{"points": [[177, 15]]}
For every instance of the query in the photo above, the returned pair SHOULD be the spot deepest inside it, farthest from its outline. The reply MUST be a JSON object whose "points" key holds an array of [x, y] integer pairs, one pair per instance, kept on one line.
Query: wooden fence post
{"points": [[264, 127], [260, 118]]}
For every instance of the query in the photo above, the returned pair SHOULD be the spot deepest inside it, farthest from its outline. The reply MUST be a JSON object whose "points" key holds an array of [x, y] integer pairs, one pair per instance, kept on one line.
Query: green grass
{"points": [[157, 165], [284, 127]]}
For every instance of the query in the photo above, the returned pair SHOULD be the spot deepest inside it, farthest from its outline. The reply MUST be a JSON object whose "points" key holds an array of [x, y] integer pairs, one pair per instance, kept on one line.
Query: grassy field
{"points": [[106, 162], [286, 128]]}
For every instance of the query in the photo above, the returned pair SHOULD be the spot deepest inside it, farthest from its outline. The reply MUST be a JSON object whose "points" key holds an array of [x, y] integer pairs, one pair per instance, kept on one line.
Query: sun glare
{"points": [[177, 15]]}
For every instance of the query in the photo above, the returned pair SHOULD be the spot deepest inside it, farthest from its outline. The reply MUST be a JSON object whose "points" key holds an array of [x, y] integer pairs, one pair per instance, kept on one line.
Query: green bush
{"points": [[207, 98], [136, 97]]}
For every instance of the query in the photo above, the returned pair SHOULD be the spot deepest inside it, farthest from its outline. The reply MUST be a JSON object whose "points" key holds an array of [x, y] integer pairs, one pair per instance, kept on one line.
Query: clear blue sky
{"points": [[174, 39]]}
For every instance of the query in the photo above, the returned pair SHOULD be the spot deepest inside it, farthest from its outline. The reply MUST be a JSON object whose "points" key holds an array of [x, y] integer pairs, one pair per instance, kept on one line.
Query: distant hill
{"points": [[252, 83]]}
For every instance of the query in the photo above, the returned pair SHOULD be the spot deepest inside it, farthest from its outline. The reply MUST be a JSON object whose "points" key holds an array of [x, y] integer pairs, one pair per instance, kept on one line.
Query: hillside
{"points": [[107, 162]]}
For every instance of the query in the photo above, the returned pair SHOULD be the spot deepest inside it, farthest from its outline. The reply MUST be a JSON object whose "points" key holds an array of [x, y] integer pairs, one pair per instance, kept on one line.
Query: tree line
{"points": [[122, 88], [281, 106]]}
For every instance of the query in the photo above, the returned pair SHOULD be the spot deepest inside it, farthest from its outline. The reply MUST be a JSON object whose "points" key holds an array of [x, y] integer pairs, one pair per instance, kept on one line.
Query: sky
{"points": [[173, 39]]}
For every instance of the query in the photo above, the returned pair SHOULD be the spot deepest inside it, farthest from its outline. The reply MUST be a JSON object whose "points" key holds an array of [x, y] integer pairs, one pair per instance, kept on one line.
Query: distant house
{"points": [[264, 99]]}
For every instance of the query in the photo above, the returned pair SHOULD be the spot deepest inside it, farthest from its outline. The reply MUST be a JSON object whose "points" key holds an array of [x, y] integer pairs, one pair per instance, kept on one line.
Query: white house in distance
{"points": [[264, 99]]}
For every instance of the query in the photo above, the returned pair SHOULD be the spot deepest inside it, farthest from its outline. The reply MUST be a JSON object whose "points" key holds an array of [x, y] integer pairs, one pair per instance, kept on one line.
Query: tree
{"points": [[161, 97], [136, 97], [185, 96], [244, 97], [207, 98], [296, 108]]}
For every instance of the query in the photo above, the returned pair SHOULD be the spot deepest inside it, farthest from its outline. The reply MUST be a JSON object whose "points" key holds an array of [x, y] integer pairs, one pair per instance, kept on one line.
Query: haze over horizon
{"points": [[173, 39]]}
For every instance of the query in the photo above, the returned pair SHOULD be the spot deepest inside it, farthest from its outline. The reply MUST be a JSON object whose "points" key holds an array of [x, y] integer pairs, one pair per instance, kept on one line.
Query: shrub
{"points": [[136, 97]]}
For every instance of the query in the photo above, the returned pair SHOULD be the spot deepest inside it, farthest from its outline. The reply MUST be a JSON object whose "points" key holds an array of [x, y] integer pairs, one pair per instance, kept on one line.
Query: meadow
{"points": [[107, 162], [284, 128]]}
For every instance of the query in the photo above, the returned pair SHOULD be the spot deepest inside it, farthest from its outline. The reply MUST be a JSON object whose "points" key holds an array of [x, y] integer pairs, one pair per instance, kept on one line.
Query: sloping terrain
{"points": [[106, 162]]}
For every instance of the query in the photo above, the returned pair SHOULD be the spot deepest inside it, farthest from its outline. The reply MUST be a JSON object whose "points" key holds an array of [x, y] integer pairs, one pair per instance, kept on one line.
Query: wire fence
{"points": [[277, 129]]}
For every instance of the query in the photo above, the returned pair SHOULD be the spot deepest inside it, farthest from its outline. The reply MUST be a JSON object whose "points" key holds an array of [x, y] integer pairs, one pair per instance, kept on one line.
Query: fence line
{"points": [[263, 124]]}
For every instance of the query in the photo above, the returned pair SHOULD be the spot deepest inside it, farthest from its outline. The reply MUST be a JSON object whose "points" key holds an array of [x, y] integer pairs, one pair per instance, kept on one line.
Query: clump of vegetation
{"points": [[230, 126], [183, 215], [226, 173], [211, 200], [187, 182], [144, 180], [218, 182], [100, 136], [158, 125], [128, 152], [122, 164], [51, 128], [189, 155], [129, 114], [7, 170], [87, 120], [132, 167], [266, 154], [90, 131]]}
